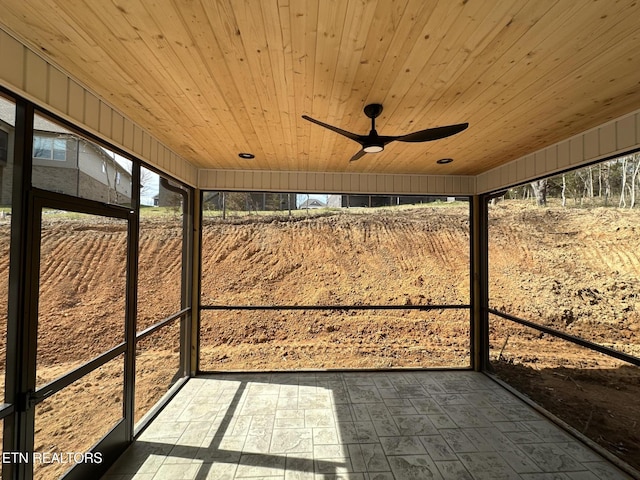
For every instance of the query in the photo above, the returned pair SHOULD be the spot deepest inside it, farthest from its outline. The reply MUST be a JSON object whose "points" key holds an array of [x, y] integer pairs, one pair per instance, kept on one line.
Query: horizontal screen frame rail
{"points": [[150, 330], [51, 388], [569, 338], [335, 307]]}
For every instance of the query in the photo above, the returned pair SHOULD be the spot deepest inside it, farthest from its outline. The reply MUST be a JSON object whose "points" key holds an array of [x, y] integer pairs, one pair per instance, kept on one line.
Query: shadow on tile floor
{"points": [[354, 425]]}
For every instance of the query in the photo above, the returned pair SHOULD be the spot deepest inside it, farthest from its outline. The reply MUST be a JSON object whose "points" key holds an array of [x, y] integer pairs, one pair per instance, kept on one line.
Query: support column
{"points": [[21, 369], [195, 283], [479, 283], [131, 327]]}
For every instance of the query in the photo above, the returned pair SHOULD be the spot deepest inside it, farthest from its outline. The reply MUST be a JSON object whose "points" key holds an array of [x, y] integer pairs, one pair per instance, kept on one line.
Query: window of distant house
{"points": [[4, 147], [117, 178], [50, 148]]}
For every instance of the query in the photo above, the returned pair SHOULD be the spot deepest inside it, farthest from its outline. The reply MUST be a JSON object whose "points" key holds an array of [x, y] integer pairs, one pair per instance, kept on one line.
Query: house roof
{"points": [[212, 79], [312, 202]]}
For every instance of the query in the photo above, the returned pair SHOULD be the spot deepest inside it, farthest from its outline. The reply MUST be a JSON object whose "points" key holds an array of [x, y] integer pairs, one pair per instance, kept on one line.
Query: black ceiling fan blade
{"points": [[374, 143], [352, 136], [358, 155], [432, 133]]}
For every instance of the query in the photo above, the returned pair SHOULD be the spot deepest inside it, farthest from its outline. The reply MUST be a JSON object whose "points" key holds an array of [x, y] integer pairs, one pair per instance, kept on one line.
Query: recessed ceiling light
{"points": [[442, 161], [247, 156]]}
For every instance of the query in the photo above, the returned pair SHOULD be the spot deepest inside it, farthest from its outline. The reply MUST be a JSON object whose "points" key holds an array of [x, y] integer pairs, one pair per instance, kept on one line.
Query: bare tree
{"points": [[607, 182], [623, 202], [593, 184], [540, 191], [148, 182], [635, 167]]}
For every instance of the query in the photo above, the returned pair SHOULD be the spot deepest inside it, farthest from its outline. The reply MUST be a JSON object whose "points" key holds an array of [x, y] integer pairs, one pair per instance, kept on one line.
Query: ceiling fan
{"points": [[374, 143]]}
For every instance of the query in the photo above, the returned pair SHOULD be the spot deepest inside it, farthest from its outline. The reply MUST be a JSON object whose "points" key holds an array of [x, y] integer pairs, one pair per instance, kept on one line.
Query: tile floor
{"points": [[361, 426]]}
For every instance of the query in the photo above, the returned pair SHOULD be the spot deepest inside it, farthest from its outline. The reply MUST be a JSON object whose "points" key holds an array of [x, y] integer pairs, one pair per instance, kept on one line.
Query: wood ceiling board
{"points": [[397, 56], [212, 78], [479, 85], [302, 21], [395, 79], [206, 105], [546, 106], [187, 84], [445, 56], [118, 40], [266, 71], [276, 22], [461, 75], [225, 56], [103, 68], [540, 95], [330, 29], [349, 55], [390, 36]]}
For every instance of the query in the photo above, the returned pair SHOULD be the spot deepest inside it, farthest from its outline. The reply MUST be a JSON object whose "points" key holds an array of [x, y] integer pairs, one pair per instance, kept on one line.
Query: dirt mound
{"points": [[574, 270], [386, 257]]}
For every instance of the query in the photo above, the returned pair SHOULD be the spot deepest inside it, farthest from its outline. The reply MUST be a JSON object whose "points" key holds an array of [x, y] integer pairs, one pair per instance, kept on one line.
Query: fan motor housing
{"points": [[373, 110]]}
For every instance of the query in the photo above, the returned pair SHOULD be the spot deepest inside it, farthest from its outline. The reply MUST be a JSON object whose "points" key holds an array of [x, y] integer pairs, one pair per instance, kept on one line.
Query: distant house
{"points": [[311, 203], [95, 172]]}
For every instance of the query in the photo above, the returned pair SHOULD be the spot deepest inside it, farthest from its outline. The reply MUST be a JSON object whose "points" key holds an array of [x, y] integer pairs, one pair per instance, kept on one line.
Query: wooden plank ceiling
{"points": [[212, 78]]}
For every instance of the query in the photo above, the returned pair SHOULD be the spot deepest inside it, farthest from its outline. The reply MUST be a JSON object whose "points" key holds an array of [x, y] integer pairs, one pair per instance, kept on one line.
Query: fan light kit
{"points": [[373, 148], [374, 143], [247, 156]]}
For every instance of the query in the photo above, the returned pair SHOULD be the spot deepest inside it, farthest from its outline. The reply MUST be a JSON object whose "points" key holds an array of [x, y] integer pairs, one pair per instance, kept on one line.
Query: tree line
{"points": [[249, 201], [610, 183]]}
